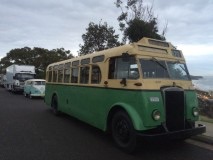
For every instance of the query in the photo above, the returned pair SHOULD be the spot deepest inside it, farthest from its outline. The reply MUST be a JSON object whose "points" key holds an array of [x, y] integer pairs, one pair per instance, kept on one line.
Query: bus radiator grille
{"points": [[174, 104]]}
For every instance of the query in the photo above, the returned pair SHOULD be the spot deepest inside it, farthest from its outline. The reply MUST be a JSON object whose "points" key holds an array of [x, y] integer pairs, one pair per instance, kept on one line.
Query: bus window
{"points": [[85, 61], [60, 76], [60, 73], [154, 68], [178, 71], [49, 74], [120, 68], [54, 76], [66, 75], [96, 75], [55, 72], [67, 72], [74, 77], [98, 59], [84, 77]]}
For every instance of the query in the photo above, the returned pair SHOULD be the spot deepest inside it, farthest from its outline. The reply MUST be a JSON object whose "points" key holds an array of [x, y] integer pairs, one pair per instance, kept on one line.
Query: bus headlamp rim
{"points": [[156, 115], [195, 111]]}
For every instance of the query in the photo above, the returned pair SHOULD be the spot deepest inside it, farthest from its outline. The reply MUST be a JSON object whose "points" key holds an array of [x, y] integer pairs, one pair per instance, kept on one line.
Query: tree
{"points": [[38, 57], [137, 21], [98, 37]]}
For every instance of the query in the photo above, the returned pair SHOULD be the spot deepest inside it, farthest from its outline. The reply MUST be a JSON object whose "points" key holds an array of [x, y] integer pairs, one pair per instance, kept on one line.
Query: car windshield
{"points": [[154, 68], [39, 83]]}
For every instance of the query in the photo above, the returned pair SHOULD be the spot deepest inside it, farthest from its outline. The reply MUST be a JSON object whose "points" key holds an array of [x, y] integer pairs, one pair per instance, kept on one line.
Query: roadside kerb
{"points": [[206, 137]]}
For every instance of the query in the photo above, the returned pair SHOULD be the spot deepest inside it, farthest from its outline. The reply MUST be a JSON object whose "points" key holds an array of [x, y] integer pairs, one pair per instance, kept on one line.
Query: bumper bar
{"points": [[180, 134]]}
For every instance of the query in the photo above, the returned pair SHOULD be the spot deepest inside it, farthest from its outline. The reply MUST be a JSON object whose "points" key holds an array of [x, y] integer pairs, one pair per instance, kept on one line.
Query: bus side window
{"points": [[118, 68], [111, 74], [66, 75], [96, 75], [49, 74], [74, 77], [67, 72], [60, 76], [60, 73], [84, 77], [55, 73]]}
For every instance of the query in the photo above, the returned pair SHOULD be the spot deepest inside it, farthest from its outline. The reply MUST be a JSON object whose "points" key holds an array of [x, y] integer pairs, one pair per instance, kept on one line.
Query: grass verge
{"points": [[206, 119]]}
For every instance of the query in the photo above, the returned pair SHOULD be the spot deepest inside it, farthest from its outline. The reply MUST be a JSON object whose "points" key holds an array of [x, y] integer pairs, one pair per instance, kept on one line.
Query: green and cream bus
{"points": [[136, 90]]}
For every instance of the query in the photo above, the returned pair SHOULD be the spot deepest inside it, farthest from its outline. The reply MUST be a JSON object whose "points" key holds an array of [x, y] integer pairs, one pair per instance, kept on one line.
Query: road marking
{"points": [[200, 144]]}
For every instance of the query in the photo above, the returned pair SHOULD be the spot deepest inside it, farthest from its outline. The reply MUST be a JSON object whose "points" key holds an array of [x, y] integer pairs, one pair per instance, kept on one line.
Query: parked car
{"points": [[34, 88]]}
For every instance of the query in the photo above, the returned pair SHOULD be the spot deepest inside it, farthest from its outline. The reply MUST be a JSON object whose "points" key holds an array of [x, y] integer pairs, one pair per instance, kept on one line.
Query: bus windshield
{"points": [[154, 68], [178, 71]]}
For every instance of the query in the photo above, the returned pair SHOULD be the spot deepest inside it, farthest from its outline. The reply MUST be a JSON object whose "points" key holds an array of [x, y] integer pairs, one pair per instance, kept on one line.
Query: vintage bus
{"points": [[136, 90]]}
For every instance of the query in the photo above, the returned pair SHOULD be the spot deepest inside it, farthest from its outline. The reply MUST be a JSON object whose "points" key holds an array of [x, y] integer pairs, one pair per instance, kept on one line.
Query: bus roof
{"points": [[145, 46]]}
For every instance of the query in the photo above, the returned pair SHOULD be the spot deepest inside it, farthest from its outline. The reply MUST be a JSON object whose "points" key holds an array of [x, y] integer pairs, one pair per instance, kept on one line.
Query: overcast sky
{"points": [[54, 24]]}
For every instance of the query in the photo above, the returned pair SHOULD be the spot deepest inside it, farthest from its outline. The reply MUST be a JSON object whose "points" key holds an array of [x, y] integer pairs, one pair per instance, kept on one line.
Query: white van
{"points": [[34, 88]]}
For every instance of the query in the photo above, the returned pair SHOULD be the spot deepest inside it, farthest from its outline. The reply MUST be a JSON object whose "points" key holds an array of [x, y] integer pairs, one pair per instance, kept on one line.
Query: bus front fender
{"points": [[134, 116]]}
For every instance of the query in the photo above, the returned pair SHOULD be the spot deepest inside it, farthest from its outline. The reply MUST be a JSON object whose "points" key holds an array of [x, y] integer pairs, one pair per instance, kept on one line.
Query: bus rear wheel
{"points": [[123, 131], [54, 105]]}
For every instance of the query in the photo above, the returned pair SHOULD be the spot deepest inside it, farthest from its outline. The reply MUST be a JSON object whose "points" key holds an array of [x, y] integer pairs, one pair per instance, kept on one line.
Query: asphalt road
{"points": [[29, 131]]}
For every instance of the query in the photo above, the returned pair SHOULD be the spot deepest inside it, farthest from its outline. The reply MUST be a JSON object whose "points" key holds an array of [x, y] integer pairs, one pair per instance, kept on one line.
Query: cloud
{"points": [[196, 50], [200, 64], [198, 57], [188, 21], [190, 28], [54, 24], [50, 24]]}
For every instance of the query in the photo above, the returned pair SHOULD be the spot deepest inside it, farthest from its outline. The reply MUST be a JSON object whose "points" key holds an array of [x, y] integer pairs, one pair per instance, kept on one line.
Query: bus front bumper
{"points": [[180, 134]]}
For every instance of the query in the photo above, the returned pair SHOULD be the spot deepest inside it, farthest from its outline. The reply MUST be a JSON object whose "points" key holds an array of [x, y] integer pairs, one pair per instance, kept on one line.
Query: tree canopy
{"points": [[39, 57], [137, 21], [98, 37]]}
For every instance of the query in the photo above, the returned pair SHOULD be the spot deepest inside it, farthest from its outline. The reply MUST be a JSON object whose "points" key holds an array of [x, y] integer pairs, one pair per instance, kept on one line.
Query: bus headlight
{"points": [[195, 111], [156, 115]]}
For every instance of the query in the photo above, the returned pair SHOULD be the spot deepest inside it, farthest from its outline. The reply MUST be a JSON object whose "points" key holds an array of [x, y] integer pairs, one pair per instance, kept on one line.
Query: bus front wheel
{"points": [[123, 131], [54, 105]]}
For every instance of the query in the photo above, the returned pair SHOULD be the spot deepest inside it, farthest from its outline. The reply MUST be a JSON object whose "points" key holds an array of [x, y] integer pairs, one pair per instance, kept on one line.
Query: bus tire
{"points": [[123, 131], [54, 105]]}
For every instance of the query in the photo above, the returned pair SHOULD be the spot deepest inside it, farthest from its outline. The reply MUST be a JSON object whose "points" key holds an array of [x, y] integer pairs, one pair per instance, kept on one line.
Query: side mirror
{"points": [[125, 57]]}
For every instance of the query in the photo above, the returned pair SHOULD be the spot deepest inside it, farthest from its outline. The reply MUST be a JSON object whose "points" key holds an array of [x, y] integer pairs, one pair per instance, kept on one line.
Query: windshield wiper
{"points": [[157, 61], [183, 68]]}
